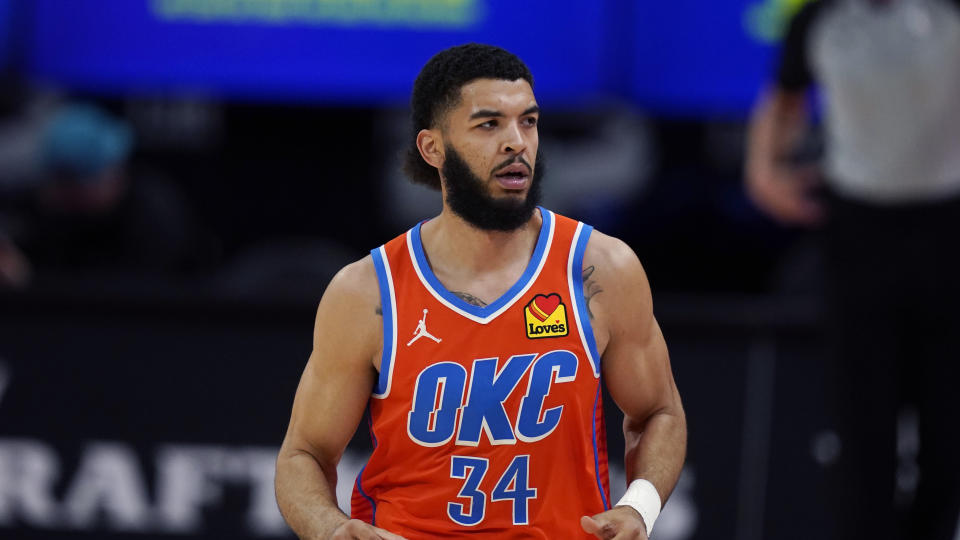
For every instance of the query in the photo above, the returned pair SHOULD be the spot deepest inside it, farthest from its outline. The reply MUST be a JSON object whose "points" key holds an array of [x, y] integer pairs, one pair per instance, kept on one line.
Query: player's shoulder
{"points": [[614, 267], [358, 278], [616, 287], [611, 252], [353, 289], [351, 304]]}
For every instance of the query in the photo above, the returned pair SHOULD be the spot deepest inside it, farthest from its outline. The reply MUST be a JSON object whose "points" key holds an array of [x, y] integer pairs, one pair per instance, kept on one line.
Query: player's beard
{"points": [[469, 198]]}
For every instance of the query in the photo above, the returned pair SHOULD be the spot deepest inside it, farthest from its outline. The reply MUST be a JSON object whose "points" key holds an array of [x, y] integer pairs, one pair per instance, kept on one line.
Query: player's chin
{"points": [[517, 195]]}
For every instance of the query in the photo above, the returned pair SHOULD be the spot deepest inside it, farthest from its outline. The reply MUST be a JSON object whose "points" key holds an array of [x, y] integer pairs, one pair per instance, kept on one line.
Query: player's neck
{"points": [[453, 244]]}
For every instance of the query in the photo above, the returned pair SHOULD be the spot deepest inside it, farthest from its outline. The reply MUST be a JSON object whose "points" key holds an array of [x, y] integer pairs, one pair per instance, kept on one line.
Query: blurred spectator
{"points": [[79, 206], [14, 267], [888, 202]]}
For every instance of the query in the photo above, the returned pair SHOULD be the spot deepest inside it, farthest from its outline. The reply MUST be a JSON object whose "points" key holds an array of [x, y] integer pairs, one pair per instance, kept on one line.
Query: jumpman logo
{"points": [[421, 331]]}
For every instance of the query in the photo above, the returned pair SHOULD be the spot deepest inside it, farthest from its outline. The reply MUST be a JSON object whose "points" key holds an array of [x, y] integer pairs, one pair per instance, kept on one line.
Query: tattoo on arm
{"points": [[471, 299], [590, 287]]}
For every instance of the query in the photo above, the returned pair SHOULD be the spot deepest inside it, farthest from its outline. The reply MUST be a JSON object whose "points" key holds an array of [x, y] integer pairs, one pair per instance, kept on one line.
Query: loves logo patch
{"points": [[546, 316]]}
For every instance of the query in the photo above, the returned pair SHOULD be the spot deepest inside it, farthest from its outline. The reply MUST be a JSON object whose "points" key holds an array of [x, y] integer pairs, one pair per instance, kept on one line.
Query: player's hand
{"points": [[786, 194], [361, 530], [618, 523]]}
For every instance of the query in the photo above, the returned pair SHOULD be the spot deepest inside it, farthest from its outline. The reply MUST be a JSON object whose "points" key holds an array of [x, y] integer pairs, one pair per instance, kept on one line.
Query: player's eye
{"points": [[488, 124], [530, 121]]}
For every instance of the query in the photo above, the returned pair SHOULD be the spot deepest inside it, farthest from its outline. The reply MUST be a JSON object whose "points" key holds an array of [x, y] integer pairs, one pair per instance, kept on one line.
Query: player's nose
{"points": [[514, 141]]}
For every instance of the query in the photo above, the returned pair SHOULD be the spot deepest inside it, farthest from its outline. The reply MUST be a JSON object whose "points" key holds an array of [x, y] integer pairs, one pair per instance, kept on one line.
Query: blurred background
{"points": [[179, 180]]}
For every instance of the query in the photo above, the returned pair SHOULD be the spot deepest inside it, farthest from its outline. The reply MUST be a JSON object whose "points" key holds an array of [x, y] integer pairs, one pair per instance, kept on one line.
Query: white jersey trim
{"points": [[491, 312]]}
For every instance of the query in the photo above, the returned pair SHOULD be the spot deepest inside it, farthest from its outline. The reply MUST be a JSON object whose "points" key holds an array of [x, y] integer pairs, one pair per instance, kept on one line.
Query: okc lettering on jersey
{"points": [[439, 396]]}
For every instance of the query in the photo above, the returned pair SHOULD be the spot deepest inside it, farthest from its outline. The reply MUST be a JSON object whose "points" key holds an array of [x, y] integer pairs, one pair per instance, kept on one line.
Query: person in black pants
{"points": [[887, 202]]}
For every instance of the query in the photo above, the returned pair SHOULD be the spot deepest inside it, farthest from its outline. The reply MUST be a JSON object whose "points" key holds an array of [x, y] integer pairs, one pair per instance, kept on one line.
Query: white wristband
{"points": [[642, 496]]}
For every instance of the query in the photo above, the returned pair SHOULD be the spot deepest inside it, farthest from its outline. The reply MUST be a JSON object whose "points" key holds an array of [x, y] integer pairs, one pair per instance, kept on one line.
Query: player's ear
{"points": [[430, 144]]}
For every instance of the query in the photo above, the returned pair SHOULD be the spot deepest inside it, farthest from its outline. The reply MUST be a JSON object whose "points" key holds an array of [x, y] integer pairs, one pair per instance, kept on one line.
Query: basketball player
{"points": [[478, 340]]}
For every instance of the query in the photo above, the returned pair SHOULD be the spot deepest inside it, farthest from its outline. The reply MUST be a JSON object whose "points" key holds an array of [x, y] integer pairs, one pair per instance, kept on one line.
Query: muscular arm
{"points": [[330, 401], [636, 368]]}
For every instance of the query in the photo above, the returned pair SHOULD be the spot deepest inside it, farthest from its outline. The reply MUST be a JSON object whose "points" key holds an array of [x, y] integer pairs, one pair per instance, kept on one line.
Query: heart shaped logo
{"points": [[546, 317], [544, 306]]}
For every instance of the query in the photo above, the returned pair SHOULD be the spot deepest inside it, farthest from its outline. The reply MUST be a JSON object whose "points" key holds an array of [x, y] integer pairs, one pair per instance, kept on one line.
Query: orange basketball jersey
{"points": [[486, 420]]}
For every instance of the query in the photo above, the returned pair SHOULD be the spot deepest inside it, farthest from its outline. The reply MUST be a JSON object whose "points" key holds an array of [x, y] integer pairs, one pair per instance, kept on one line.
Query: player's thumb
{"points": [[592, 526], [387, 535]]}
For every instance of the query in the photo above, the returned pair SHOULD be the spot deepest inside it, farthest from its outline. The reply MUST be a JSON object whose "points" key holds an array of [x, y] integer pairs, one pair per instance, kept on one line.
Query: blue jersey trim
{"points": [[596, 452], [373, 505], [386, 306], [373, 519], [373, 436], [583, 315], [508, 296]]}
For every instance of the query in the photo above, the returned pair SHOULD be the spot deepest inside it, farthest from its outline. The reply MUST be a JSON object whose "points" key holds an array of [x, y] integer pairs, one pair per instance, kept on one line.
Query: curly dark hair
{"points": [[437, 90]]}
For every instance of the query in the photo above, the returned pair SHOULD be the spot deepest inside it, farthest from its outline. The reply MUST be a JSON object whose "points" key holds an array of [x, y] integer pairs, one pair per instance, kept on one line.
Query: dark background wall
{"points": [[148, 363]]}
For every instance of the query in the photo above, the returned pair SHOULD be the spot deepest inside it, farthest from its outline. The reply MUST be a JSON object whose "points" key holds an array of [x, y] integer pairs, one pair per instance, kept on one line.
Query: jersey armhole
{"points": [[575, 278], [388, 307]]}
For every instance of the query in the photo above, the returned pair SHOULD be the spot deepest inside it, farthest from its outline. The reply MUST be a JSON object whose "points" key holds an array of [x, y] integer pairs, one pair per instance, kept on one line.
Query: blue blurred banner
{"points": [[353, 51], [683, 56], [6, 32], [693, 56]]}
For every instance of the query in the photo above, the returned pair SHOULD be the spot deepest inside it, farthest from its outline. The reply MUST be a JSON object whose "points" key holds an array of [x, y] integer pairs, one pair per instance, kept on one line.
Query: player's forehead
{"points": [[499, 95]]}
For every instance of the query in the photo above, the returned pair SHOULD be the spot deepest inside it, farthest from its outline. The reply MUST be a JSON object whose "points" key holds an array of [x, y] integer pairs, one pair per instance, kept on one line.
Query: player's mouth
{"points": [[513, 176]]}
